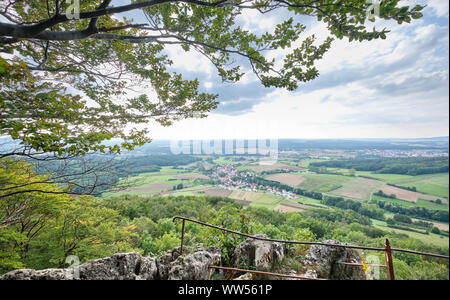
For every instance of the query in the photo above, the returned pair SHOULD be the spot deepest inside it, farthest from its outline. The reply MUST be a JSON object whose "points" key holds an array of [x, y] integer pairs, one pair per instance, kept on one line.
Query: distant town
{"points": [[232, 179]]}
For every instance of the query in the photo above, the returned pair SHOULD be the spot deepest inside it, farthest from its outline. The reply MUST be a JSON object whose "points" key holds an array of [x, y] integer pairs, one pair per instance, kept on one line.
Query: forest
{"points": [[407, 166]]}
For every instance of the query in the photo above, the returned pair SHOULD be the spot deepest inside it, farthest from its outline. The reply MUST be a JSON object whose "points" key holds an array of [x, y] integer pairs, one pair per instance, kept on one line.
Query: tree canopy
{"points": [[69, 80]]}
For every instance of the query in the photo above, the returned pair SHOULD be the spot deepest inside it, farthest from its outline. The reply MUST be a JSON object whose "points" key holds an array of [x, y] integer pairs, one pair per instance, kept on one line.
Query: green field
{"points": [[309, 201], [147, 183], [433, 184], [431, 238], [358, 188], [258, 199], [323, 182], [419, 203]]}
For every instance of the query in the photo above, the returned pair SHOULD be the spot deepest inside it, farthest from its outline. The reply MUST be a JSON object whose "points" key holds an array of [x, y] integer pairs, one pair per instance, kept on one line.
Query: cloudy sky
{"points": [[396, 87]]}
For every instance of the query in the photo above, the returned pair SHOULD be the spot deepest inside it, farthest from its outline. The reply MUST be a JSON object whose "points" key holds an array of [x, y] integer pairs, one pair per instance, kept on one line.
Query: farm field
{"points": [[431, 238], [156, 182], [258, 199], [323, 182], [409, 195], [419, 203], [287, 178], [358, 188], [433, 184], [289, 206], [270, 167]]}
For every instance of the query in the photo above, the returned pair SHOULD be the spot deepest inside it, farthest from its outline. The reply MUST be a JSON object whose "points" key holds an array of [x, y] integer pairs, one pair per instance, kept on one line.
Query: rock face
{"points": [[323, 260], [132, 266], [320, 262], [195, 266], [28, 274], [263, 255]]}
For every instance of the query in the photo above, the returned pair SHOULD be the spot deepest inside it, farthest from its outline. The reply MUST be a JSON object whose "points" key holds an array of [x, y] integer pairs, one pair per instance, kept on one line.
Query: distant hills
{"points": [[434, 143]]}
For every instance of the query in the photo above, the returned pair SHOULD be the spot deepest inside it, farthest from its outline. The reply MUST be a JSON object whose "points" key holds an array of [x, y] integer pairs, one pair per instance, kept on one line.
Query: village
{"points": [[229, 178]]}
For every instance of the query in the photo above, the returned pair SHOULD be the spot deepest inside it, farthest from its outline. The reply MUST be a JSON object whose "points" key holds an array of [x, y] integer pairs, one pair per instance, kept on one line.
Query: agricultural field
{"points": [[259, 199], [323, 182], [156, 182], [432, 184], [430, 238], [420, 203], [287, 178], [289, 206], [258, 168], [407, 195], [358, 188]]}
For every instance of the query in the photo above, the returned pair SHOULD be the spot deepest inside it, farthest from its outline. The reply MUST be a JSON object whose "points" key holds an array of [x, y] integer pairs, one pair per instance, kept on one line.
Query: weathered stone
{"points": [[263, 255], [194, 266], [246, 276], [29, 274], [163, 263], [121, 266], [148, 269], [323, 260]]}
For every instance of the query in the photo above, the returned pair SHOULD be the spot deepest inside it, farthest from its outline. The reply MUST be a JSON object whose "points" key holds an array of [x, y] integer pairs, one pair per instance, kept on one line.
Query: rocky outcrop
{"points": [[195, 266], [29, 274], [132, 266], [263, 255], [322, 260]]}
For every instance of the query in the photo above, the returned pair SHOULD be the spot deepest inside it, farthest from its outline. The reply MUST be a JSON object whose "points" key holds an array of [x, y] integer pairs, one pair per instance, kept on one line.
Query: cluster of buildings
{"points": [[403, 153], [232, 179]]}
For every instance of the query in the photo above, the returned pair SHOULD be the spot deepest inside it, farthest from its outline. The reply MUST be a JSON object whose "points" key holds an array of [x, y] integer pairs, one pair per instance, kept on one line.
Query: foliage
{"points": [[406, 166], [103, 58]]}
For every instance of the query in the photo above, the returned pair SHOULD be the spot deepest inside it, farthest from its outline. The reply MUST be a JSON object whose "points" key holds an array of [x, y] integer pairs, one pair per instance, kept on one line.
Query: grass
{"points": [[165, 176], [258, 199], [323, 182], [358, 188], [309, 201], [431, 238], [433, 184], [419, 203]]}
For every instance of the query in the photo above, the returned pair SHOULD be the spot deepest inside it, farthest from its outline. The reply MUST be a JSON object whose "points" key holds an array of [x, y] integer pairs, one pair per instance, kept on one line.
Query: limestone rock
{"points": [[263, 255], [29, 274], [194, 266], [323, 260]]}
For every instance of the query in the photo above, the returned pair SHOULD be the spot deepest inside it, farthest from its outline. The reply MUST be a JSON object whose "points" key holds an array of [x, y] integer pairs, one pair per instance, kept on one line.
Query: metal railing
{"points": [[387, 249]]}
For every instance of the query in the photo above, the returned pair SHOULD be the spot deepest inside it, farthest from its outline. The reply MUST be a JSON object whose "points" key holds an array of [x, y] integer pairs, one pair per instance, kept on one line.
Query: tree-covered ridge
{"points": [[407, 166]]}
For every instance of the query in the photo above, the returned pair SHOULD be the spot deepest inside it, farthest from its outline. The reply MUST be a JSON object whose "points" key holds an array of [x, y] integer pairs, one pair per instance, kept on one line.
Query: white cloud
{"points": [[438, 7]]}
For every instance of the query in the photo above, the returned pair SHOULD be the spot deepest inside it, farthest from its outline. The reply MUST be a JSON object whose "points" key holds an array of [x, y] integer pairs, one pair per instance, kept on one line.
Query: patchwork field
{"points": [[358, 188], [288, 206], [259, 199], [287, 178], [270, 167], [217, 192], [323, 182], [191, 176], [420, 203], [431, 238], [433, 184], [155, 182], [409, 195]]}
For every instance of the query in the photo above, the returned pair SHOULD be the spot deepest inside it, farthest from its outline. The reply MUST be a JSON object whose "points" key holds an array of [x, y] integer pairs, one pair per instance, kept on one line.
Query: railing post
{"points": [[182, 237], [389, 263]]}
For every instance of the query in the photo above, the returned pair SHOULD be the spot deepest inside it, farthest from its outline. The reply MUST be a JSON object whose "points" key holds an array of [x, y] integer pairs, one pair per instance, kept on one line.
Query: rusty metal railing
{"points": [[386, 249]]}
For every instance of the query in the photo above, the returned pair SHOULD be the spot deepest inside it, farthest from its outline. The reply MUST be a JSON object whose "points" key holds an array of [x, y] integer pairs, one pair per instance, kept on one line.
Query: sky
{"points": [[393, 88]]}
